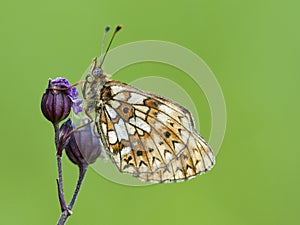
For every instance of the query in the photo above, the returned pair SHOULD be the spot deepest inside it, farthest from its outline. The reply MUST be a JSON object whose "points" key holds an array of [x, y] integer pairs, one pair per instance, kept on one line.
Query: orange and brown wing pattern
{"points": [[149, 136], [190, 162]]}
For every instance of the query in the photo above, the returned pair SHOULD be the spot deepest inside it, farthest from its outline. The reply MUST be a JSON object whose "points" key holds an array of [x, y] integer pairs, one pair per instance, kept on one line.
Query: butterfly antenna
{"points": [[107, 28], [119, 27]]}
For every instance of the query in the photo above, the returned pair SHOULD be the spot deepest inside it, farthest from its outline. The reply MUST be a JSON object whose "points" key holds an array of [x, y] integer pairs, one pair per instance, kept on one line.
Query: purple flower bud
{"points": [[64, 137], [56, 104], [84, 147]]}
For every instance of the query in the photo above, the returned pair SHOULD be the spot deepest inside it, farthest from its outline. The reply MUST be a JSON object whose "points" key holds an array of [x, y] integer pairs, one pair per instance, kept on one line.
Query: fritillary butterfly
{"points": [[146, 135]]}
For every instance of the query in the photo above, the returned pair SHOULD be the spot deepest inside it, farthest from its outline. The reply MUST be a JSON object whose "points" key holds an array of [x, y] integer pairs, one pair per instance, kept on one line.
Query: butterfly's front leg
{"points": [[81, 82], [90, 118]]}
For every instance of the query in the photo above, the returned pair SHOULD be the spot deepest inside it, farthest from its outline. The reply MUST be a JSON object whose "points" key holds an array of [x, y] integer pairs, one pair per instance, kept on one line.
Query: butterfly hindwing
{"points": [[149, 136]]}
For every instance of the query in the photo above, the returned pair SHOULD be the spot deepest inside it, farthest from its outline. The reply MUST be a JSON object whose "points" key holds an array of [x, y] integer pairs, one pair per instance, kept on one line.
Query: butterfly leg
{"points": [[81, 82], [91, 120]]}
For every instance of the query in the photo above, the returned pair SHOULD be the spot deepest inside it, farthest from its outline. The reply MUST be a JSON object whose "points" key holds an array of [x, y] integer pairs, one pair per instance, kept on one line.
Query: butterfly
{"points": [[144, 134]]}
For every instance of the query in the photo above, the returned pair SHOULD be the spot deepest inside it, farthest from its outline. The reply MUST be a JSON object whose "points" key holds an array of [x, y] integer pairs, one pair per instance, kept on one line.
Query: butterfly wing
{"points": [[149, 136], [196, 158]]}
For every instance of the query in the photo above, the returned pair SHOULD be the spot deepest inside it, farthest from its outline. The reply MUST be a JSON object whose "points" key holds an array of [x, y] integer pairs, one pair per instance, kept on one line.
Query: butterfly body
{"points": [[146, 135]]}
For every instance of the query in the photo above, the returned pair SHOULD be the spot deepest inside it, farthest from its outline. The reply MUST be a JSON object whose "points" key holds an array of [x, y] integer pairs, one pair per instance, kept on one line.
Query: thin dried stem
{"points": [[63, 217], [82, 172], [59, 181], [68, 212]]}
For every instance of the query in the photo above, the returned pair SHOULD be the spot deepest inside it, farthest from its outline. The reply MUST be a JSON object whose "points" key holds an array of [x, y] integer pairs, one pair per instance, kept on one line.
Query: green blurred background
{"points": [[252, 47]]}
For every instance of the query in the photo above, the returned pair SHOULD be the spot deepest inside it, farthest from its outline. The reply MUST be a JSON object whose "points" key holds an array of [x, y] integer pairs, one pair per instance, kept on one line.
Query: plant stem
{"points": [[64, 209], [68, 211], [59, 181], [82, 172], [56, 133], [63, 217]]}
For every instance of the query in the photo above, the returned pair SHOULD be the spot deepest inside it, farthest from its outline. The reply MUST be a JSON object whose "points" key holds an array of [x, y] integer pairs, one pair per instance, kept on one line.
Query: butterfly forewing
{"points": [[149, 136]]}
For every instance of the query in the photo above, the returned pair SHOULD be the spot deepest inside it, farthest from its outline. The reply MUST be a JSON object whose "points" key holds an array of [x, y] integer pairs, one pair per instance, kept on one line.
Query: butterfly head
{"points": [[95, 70]]}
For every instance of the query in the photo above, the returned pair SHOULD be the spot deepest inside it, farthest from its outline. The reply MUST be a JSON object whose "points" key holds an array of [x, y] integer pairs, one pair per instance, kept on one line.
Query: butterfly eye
{"points": [[97, 72]]}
